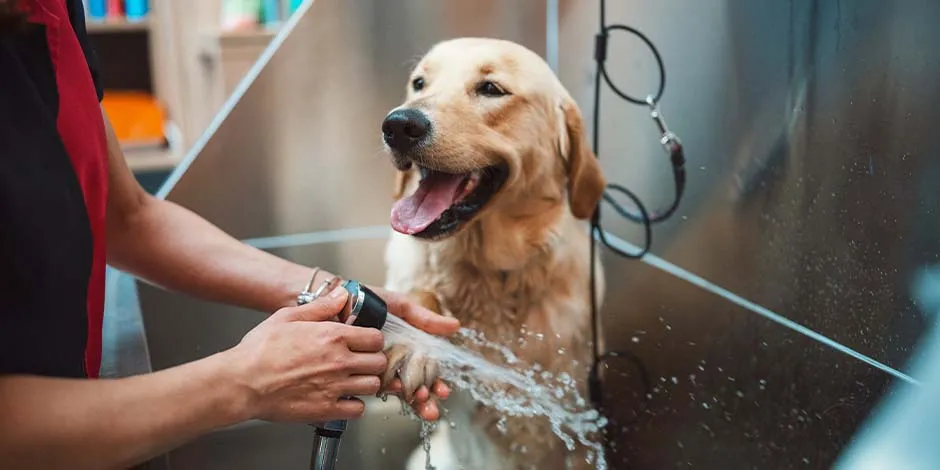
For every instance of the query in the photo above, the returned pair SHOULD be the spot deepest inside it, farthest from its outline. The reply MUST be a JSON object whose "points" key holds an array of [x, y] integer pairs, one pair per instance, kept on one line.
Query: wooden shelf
{"points": [[258, 33], [150, 159], [117, 26]]}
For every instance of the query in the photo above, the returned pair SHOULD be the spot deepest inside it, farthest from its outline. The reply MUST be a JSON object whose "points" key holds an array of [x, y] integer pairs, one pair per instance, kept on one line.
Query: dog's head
{"points": [[486, 128]]}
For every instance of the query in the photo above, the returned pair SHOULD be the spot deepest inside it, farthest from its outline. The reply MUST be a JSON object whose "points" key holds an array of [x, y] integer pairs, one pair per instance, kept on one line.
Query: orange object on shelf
{"points": [[137, 117]]}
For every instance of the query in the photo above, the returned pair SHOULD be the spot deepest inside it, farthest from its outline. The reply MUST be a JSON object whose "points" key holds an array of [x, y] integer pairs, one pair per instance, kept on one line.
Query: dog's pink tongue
{"points": [[435, 194]]}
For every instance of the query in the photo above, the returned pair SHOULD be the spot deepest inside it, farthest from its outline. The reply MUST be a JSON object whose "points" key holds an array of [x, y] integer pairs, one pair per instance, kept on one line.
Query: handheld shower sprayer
{"points": [[363, 308]]}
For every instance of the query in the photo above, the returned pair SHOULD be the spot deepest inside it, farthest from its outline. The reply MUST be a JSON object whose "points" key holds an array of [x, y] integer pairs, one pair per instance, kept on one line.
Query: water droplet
{"points": [[501, 425]]}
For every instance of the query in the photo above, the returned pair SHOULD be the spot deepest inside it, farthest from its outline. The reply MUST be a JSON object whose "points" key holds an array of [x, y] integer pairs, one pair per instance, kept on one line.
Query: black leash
{"points": [[673, 147]]}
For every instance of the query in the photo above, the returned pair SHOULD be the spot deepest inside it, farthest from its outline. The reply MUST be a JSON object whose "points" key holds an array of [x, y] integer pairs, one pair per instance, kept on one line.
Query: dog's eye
{"points": [[490, 89], [417, 84]]}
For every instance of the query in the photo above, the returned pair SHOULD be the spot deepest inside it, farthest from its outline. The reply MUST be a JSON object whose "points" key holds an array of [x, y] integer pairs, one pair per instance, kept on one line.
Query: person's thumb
{"points": [[322, 309]]}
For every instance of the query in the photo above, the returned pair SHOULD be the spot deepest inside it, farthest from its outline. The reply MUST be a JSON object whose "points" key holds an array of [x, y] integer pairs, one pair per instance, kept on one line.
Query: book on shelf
{"points": [[250, 14], [116, 10]]}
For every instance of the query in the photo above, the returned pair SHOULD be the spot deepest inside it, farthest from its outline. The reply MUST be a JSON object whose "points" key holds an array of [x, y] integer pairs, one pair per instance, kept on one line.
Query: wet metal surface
{"points": [[812, 194]]}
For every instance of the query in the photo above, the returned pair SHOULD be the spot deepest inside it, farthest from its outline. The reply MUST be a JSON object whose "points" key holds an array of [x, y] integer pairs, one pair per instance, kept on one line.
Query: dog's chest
{"points": [[533, 312]]}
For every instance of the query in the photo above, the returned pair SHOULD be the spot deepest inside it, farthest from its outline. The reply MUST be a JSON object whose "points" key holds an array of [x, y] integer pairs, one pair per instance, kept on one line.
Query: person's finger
{"points": [[322, 309], [422, 395], [367, 364], [419, 317], [415, 398], [360, 385], [348, 408], [440, 389], [361, 339], [428, 411]]}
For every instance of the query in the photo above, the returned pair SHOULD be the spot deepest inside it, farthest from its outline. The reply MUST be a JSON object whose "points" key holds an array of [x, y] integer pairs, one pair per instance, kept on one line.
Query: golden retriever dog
{"points": [[495, 181]]}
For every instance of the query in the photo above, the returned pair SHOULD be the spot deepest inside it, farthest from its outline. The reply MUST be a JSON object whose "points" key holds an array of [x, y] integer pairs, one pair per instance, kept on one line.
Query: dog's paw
{"points": [[413, 369]]}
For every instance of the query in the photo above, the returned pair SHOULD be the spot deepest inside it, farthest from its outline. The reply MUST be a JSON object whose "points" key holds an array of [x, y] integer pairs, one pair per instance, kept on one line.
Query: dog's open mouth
{"points": [[444, 202]]}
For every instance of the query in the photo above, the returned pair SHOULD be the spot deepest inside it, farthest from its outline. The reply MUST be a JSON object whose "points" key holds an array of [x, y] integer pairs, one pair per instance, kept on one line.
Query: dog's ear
{"points": [[401, 182], [586, 181]]}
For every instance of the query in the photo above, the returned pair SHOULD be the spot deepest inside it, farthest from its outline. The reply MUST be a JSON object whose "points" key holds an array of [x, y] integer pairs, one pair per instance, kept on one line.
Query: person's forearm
{"points": [[176, 249], [98, 424]]}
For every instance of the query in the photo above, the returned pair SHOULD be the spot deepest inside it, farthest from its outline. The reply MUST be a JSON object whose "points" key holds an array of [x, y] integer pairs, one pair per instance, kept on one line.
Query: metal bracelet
{"points": [[306, 296]]}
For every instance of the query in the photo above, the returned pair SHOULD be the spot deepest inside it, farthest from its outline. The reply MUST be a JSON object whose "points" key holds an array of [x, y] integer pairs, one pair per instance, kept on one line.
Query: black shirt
{"points": [[47, 246]]}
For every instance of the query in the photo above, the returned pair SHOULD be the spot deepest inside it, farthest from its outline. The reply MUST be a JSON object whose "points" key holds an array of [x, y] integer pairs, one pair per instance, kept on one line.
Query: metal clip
{"points": [[668, 140]]}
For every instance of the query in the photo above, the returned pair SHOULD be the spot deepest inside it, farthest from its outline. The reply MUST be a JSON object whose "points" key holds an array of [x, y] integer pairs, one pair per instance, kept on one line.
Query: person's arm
{"points": [[293, 367], [70, 423]]}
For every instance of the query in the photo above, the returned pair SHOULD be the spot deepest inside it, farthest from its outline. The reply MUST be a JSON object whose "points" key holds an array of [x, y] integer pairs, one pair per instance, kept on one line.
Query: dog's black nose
{"points": [[404, 128]]}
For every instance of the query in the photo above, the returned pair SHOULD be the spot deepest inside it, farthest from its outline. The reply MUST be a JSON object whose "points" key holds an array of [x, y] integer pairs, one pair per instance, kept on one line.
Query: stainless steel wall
{"points": [[812, 195]]}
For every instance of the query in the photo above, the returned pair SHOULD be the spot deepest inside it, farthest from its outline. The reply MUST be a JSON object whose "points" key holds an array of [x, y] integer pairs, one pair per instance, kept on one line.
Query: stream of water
{"points": [[532, 393]]}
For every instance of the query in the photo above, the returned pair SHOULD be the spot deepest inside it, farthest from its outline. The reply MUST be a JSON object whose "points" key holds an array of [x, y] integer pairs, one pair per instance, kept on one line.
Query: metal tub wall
{"points": [[810, 197]]}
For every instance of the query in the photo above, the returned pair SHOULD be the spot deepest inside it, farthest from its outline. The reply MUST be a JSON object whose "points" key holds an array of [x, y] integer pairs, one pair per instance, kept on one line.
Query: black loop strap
{"points": [[673, 148], [600, 54]]}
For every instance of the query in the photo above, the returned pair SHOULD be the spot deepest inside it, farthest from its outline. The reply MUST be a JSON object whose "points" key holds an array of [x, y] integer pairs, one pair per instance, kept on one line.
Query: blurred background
{"points": [[168, 65], [780, 305]]}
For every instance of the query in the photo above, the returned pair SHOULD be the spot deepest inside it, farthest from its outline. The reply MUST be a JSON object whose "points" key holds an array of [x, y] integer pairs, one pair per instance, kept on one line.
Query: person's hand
{"points": [[299, 367], [422, 400]]}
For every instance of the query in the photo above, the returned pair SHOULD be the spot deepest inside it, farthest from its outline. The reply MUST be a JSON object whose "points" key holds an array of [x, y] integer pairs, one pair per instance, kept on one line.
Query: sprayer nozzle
{"points": [[364, 307]]}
